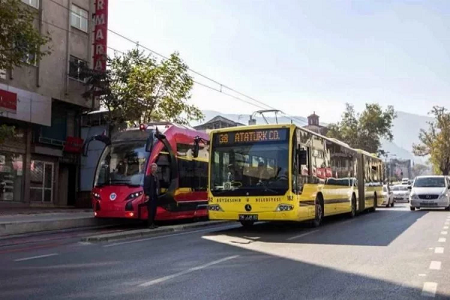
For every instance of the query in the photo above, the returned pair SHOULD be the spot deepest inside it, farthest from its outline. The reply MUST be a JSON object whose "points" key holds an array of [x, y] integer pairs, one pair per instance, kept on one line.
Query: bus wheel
{"points": [[318, 213], [247, 224], [353, 212]]}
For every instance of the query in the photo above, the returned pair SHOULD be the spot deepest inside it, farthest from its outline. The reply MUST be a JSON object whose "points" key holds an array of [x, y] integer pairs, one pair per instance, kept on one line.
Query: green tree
{"points": [[18, 36], [138, 88], [364, 130], [435, 141], [420, 169]]}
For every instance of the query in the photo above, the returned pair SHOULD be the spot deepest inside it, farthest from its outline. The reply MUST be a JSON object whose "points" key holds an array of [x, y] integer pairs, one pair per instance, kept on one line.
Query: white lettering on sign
{"points": [[100, 21]]}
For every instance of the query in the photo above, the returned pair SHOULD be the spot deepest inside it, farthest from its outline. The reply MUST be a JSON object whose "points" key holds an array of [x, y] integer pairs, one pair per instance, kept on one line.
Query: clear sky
{"points": [[301, 56]]}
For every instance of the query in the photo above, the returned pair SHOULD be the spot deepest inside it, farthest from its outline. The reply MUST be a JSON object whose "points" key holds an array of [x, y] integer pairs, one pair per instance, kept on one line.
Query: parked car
{"points": [[388, 198], [401, 193], [405, 180], [430, 191]]}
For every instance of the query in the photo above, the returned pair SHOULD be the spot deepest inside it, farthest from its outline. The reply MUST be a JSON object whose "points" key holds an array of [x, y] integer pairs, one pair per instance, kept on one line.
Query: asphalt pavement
{"points": [[390, 254]]}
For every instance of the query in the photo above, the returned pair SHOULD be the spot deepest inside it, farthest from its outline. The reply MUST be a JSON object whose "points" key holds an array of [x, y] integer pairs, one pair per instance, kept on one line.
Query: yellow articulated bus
{"points": [[288, 173]]}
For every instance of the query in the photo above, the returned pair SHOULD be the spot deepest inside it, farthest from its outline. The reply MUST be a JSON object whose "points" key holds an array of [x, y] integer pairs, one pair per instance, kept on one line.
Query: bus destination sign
{"points": [[251, 136]]}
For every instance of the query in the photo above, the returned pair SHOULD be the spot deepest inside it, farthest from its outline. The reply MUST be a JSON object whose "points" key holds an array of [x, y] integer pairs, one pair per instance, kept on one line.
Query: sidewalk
{"points": [[28, 220]]}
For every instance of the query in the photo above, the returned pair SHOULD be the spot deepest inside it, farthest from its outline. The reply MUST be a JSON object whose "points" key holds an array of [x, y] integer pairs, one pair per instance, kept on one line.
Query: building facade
{"points": [[314, 125], [40, 165], [216, 123]]}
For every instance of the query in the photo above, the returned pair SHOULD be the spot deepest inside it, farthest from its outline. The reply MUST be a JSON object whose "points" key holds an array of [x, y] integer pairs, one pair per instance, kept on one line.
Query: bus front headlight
{"points": [[285, 207]]}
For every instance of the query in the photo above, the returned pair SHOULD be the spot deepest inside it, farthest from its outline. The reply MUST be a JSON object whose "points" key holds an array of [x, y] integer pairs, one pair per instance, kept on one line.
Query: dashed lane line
{"points": [[442, 240], [165, 278], [435, 265], [429, 289], [439, 250], [301, 235], [36, 257]]}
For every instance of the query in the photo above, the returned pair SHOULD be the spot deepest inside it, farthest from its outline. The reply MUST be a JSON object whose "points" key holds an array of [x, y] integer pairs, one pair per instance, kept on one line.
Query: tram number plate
{"points": [[248, 217]]}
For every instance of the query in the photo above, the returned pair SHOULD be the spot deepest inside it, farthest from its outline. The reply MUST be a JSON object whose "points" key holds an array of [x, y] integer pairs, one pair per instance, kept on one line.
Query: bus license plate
{"points": [[248, 217]]}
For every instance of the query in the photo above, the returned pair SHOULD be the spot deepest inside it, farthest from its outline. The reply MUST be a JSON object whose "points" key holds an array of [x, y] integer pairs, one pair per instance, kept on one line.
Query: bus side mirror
{"points": [[302, 157]]}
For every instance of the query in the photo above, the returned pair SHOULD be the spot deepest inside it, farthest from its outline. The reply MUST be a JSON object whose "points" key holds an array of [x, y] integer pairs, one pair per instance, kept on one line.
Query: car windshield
{"points": [[122, 164], [250, 169], [430, 182], [400, 188]]}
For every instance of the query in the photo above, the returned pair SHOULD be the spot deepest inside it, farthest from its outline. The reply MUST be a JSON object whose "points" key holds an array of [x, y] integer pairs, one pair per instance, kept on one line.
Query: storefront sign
{"points": [[100, 20], [73, 144], [8, 101]]}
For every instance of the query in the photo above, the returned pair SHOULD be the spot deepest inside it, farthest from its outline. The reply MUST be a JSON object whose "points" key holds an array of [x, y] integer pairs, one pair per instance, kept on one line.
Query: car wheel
{"points": [[392, 204], [412, 208], [447, 208]]}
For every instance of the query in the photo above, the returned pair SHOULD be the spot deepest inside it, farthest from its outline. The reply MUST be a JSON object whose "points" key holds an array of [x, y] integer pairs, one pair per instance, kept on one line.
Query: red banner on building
{"points": [[8, 101], [100, 20], [73, 144]]}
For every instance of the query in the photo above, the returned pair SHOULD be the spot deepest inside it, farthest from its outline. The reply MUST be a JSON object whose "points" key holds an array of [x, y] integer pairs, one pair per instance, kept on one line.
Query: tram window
{"points": [[200, 176], [163, 162], [186, 173]]}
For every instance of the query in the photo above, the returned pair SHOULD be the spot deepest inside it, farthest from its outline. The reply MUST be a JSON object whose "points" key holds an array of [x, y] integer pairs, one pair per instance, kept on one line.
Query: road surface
{"points": [[390, 254]]}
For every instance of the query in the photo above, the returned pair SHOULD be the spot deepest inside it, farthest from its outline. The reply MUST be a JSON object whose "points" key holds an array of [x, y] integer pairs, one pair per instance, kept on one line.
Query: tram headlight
{"points": [[134, 195], [285, 207], [214, 207], [96, 196]]}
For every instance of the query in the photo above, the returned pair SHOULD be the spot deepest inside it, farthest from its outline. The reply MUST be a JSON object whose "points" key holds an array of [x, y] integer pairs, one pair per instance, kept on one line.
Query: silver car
{"points": [[430, 192], [401, 193]]}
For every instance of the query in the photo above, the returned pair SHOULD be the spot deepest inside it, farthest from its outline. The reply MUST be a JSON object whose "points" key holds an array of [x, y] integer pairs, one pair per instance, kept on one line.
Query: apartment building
{"points": [[40, 165]]}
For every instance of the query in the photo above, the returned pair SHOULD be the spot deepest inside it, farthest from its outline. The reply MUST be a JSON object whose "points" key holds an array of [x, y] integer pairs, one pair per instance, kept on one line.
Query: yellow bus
{"points": [[288, 173]]}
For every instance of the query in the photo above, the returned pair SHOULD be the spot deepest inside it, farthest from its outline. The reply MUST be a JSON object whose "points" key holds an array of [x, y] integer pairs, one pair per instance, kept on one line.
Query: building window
{"points": [[34, 3], [79, 18], [77, 67], [11, 176]]}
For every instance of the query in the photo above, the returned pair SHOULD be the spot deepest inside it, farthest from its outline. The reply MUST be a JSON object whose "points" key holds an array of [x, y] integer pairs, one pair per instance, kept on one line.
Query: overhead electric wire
{"points": [[260, 104]]}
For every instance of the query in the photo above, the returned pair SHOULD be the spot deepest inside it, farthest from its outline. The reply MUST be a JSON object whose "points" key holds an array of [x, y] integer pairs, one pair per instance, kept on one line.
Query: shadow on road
{"points": [[368, 229]]}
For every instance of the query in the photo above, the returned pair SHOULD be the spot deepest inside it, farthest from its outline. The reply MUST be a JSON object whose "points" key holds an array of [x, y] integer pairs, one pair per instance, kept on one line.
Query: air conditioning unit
{"points": [[2, 74]]}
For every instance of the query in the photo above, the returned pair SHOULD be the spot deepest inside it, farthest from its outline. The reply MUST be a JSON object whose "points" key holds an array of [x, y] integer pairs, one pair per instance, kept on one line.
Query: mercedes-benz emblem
{"points": [[428, 196], [113, 196], [248, 207]]}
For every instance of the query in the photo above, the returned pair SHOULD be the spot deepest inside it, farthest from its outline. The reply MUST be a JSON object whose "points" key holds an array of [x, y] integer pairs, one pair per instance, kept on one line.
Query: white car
{"points": [[430, 191], [388, 198], [401, 193], [405, 180]]}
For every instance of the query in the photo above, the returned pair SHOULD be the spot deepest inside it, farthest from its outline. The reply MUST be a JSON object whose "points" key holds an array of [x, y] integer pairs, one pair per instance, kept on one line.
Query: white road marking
{"points": [[35, 257], [422, 275], [168, 235], [439, 250], [435, 265], [445, 227], [301, 235], [443, 232], [165, 278], [429, 289], [442, 240]]}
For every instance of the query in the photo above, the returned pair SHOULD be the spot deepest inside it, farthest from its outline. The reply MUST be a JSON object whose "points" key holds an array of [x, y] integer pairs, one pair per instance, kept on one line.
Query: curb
{"points": [[15, 228], [149, 232]]}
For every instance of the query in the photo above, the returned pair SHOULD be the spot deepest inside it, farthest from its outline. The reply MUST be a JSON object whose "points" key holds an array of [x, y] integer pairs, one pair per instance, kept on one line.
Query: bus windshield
{"points": [[251, 169], [122, 164]]}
